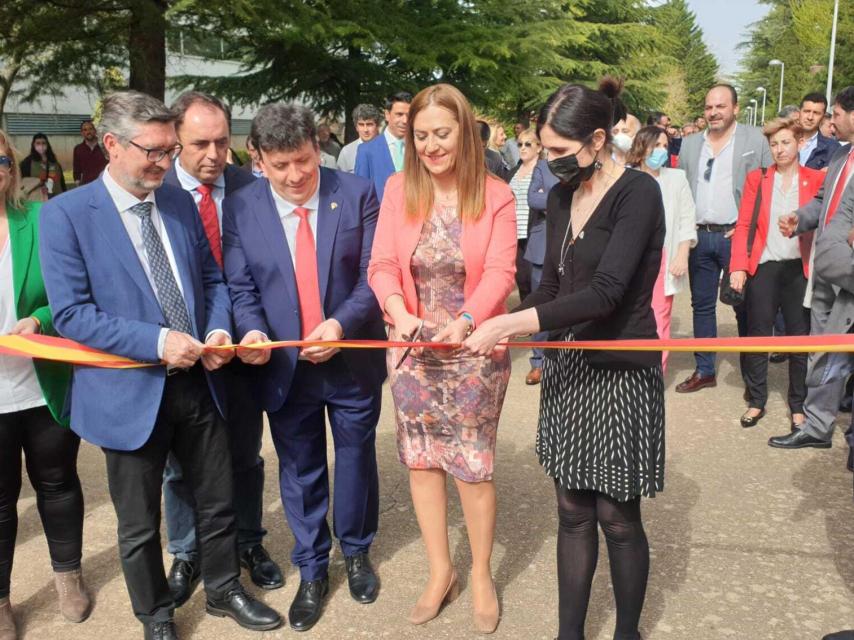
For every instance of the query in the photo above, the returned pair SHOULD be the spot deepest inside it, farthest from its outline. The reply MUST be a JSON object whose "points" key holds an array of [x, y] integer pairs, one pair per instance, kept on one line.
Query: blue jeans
{"points": [[537, 354], [706, 262], [245, 426]]}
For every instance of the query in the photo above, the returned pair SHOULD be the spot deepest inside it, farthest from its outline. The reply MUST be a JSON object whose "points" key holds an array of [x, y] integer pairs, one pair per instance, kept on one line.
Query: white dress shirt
{"points": [[715, 202], [778, 247], [124, 200], [290, 220], [19, 387], [191, 183], [809, 147]]}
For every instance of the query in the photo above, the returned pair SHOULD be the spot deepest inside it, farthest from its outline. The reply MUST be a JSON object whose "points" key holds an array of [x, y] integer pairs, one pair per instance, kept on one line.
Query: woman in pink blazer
{"points": [[443, 261]]}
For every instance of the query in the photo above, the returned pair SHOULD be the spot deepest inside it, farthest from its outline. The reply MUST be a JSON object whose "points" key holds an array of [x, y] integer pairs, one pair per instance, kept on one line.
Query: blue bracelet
{"points": [[469, 317]]}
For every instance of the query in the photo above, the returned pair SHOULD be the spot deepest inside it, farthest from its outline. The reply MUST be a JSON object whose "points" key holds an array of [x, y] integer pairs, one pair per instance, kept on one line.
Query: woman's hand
{"points": [[737, 280], [679, 265], [485, 338], [25, 327], [454, 333], [406, 325]]}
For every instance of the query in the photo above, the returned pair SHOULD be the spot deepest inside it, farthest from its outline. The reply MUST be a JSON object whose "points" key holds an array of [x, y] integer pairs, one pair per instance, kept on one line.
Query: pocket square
{"points": [[747, 153]]}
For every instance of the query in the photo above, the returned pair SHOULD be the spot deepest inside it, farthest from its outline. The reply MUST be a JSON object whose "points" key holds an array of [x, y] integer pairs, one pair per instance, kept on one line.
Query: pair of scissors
{"points": [[414, 338]]}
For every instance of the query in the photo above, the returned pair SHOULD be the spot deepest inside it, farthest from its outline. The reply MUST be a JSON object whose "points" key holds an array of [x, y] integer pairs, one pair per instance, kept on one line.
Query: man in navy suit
{"points": [[202, 125], [297, 246], [818, 149], [128, 270], [381, 157]]}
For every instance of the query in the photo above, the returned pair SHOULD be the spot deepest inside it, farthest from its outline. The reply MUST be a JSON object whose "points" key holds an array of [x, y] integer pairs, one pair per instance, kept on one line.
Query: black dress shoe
{"points": [[850, 464], [308, 604], [364, 583], [798, 440], [778, 358], [245, 610], [751, 421], [840, 635], [262, 570], [183, 578], [161, 631]]}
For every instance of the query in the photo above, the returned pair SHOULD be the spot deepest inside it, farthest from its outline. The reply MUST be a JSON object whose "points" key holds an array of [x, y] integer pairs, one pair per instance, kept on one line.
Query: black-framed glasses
{"points": [[156, 155], [5, 162], [526, 144], [707, 174]]}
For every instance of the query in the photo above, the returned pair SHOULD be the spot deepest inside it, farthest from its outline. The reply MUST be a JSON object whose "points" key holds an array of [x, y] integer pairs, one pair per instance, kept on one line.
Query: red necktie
{"points": [[308, 286], [840, 188], [210, 221]]}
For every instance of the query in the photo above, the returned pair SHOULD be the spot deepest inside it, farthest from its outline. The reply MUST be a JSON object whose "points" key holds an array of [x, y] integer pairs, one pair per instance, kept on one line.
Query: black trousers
{"points": [[776, 285], [51, 454], [189, 426], [523, 269]]}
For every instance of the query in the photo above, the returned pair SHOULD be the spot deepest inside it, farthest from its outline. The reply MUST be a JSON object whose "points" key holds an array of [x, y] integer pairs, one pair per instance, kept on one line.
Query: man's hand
{"points": [[327, 330], [213, 360], [788, 224], [25, 327], [254, 356], [181, 350]]}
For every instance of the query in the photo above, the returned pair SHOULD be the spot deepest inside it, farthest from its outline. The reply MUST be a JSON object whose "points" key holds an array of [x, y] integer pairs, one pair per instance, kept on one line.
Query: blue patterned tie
{"points": [[168, 293]]}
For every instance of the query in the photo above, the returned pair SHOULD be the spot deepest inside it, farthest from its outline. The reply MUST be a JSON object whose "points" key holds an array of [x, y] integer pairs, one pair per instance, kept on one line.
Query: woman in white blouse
{"points": [[649, 154]]}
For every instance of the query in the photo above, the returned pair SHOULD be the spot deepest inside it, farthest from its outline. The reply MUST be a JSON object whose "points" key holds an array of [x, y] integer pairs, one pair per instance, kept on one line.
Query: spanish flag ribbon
{"points": [[62, 350]]}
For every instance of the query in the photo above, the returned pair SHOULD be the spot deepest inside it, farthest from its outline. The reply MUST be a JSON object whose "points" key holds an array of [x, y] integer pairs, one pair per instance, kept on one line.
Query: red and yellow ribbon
{"points": [[62, 350]]}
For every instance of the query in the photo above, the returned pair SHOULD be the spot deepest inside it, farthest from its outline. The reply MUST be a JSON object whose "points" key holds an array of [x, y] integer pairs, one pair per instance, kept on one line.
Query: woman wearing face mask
{"points": [[33, 421], [601, 424], [42, 165], [623, 134], [442, 263], [774, 269], [650, 154]]}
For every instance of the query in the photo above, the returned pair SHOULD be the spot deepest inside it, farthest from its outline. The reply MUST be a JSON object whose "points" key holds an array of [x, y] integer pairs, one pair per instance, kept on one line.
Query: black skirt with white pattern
{"points": [[602, 429]]}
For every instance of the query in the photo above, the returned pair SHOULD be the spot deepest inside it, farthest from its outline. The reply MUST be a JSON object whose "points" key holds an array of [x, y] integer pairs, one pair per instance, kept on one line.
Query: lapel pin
{"points": [[334, 205]]}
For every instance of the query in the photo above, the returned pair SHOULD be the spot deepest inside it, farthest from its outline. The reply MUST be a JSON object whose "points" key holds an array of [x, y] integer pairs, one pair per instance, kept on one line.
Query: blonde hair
{"points": [[469, 168], [14, 197], [776, 125]]}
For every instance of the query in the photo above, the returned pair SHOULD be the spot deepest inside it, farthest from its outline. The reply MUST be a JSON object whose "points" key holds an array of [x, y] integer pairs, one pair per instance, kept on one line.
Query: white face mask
{"points": [[622, 142]]}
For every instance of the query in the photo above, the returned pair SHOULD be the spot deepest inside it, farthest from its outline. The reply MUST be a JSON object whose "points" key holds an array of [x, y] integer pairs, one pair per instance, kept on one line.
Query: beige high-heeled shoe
{"points": [[486, 622], [74, 601], [421, 613]]}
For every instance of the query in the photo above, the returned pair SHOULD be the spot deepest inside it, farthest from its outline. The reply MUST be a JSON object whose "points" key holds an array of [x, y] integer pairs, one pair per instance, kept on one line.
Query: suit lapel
{"points": [[328, 216], [108, 220], [738, 149], [21, 245], [271, 227], [179, 242]]}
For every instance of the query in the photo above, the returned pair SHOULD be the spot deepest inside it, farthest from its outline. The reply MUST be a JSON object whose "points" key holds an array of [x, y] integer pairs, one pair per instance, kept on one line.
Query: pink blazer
{"points": [[488, 246]]}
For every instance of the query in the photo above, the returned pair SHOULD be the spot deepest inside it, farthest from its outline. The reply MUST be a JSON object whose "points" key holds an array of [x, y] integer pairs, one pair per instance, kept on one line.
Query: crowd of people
{"points": [[419, 231]]}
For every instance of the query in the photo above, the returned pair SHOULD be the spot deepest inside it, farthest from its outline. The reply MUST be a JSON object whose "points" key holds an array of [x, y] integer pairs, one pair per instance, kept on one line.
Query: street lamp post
{"points": [[832, 52], [782, 65], [764, 94], [749, 111], [755, 106]]}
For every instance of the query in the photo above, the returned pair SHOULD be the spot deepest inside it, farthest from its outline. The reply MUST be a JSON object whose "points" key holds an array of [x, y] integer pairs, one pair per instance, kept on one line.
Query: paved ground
{"points": [[748, 542]]}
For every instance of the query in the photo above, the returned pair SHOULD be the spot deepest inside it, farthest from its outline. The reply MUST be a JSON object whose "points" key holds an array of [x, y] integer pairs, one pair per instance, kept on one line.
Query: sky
{"points": [[724, 24]]}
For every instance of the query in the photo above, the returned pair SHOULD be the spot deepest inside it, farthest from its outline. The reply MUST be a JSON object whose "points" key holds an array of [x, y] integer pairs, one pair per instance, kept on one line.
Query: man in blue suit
{"points": [[381, 157], [297, 246], [203, 130], [128, 270], [818, 149]]}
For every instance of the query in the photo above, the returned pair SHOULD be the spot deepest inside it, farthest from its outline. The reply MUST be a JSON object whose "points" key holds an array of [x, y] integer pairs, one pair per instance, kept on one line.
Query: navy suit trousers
{"points": [[299, 434]]}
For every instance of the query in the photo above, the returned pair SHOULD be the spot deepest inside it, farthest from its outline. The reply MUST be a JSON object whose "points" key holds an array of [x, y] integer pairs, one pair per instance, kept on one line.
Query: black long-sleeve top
{"points": [[605, 292]]}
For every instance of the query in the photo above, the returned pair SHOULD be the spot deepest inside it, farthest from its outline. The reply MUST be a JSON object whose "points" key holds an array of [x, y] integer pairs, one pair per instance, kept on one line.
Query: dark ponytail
{"points": [[575, 111]]}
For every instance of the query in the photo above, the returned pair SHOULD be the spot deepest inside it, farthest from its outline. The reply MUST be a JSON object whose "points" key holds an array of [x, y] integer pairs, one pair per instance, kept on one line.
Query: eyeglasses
{"points": [[156, 155], [527, 144], [5, 162], [707, 174]]}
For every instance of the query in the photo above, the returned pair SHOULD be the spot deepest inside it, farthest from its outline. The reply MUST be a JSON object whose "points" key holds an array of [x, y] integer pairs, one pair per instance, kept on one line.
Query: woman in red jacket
{"points": [[774, 269]]}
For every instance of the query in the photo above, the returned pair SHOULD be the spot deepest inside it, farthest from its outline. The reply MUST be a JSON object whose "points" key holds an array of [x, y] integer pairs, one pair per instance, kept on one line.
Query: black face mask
{"points": [[567, 170]]}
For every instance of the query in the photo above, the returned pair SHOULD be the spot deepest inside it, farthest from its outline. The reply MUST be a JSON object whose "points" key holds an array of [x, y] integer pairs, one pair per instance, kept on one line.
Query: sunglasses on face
{"points": [[707, 174], [5, 162], [527, 144]]}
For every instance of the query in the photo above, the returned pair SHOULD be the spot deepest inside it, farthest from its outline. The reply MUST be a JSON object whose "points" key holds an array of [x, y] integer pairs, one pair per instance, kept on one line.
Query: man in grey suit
{"points": [[831, 286], [716, 163]]}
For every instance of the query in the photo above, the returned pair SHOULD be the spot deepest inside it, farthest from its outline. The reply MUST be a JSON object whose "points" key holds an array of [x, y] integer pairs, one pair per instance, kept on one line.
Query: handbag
{"points": [[728, 295]]}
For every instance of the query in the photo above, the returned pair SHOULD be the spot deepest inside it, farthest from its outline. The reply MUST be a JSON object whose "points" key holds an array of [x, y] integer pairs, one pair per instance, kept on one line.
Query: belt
{"points": [[715, 228]]}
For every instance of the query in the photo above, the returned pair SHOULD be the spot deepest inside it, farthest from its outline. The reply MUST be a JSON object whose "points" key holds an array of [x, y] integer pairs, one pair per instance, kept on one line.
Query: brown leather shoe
{"points": [[534, 376], [7, 622], [695, 382], [74, 601]]}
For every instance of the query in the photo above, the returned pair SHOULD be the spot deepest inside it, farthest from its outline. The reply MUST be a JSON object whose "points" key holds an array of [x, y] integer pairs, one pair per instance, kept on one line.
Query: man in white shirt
{"points": [[384, 155], [367, 120]]}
